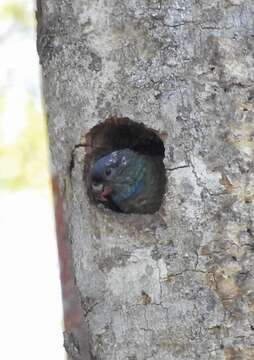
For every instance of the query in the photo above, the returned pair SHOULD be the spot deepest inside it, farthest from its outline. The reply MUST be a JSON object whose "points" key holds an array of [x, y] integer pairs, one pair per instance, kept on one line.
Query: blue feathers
{"points": [[133, 182], [127, 181]]}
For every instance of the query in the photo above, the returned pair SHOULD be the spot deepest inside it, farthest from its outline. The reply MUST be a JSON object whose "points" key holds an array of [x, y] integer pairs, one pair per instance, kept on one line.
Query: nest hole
{"points": [[122, 133]]}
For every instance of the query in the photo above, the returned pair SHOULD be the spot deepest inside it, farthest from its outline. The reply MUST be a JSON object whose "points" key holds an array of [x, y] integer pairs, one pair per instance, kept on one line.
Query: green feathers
{"points": [[128, 181]]}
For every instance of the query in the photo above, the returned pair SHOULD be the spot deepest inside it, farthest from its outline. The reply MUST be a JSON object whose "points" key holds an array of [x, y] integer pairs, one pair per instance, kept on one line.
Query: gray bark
{"points": [[177, 284]]}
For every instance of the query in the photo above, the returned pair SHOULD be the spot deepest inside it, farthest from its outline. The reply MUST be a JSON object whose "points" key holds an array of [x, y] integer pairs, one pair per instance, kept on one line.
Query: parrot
{"points": [[128, 181]]}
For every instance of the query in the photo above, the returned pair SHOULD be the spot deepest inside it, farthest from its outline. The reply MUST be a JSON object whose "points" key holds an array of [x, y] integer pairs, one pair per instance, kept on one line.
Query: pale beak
{"points": [[101, 191], [97, 187]]}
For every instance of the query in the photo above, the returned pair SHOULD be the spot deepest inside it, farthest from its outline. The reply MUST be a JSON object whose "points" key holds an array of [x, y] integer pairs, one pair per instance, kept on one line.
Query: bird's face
{"points": [[104, 173]]}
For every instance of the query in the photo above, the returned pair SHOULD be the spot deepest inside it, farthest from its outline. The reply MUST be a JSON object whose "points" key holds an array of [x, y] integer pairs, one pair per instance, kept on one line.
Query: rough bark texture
{"points": [[178, 284]]}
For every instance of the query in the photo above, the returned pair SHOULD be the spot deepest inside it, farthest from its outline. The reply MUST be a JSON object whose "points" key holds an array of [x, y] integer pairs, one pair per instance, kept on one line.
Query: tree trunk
{"points": [[177, 284]]}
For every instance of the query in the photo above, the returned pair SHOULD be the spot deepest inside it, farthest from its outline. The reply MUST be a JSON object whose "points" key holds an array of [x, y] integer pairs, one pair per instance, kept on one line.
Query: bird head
{"points": [[105, 172]]}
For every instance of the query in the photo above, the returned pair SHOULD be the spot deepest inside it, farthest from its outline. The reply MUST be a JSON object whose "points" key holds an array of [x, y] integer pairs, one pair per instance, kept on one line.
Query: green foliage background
{"points": [[18, 12], [23, 163]]}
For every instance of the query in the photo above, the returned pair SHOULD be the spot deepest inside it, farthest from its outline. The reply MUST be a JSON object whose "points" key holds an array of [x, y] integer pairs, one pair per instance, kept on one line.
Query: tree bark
{"points": [[177, 284]]}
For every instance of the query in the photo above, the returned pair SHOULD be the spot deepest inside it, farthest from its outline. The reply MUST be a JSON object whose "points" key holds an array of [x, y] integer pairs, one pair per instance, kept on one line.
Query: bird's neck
{"points": [[135, 186], [135, 189]]}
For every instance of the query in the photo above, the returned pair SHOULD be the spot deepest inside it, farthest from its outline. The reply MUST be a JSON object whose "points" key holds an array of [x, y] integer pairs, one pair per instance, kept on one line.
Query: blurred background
{"points": [[31, 308]]}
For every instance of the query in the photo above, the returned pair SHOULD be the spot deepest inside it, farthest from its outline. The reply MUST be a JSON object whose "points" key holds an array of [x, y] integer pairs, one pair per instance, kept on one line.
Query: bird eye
{"points": [[108, 171]]}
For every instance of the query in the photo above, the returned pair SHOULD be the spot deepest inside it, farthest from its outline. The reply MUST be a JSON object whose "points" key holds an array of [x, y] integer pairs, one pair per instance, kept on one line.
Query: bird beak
{"points": [[97, 188], [101, 191], [107, 190]]}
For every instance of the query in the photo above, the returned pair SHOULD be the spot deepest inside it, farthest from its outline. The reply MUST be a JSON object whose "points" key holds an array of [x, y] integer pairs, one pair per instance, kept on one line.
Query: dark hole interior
{"points": [[116, 134]]}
